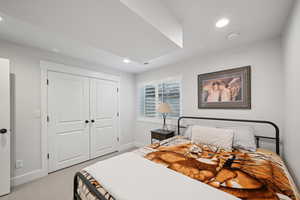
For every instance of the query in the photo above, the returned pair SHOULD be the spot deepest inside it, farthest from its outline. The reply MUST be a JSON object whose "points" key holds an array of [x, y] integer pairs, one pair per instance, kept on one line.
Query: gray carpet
{"points": [[55, 186]]}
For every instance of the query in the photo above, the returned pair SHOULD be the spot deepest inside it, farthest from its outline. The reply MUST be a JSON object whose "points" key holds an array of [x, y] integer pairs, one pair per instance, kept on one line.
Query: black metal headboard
{"points": [[276, 138]]}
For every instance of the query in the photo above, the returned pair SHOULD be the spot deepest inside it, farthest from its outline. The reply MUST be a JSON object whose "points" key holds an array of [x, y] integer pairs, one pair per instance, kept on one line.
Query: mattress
{"points": [[246, 175]]}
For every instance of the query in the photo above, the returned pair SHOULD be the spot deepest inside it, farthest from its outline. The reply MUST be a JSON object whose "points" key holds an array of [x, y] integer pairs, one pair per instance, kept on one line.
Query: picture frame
{"points": [[227, 89]]}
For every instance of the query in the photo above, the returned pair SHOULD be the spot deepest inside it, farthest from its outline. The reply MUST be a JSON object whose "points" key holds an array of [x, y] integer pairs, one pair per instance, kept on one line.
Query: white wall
{"points": [[25, 66], [292, 92], [267, 83]]}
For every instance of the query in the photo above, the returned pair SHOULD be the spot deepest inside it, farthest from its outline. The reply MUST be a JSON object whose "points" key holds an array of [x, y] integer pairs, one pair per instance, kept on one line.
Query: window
{"points": [[155, 93]]}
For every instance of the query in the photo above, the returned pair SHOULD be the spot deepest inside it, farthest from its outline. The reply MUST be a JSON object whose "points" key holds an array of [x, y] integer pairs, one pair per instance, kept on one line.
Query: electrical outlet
{"points": [[19, 164]]}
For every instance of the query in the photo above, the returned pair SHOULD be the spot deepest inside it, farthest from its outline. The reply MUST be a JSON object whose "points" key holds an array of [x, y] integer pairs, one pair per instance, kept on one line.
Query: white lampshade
{"points": [[164, 108]]}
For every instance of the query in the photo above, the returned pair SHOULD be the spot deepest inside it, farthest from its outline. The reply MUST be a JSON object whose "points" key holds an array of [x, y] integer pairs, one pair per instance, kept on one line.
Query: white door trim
{"points": [[5, 137], [50, 66], [77, 71]]}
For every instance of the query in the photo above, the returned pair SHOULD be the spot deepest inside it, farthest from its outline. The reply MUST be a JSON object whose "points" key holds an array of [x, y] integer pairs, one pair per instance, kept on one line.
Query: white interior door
{"points": [[104, 113], [4, 127], [68, 128]]}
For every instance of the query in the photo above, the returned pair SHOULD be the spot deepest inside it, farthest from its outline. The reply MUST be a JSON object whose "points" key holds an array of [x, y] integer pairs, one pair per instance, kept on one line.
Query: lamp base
{"points": [[165, 127]]}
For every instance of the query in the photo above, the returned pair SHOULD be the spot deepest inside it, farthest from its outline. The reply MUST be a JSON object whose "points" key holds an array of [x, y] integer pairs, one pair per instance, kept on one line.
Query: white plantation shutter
{"points": [[169, 92], [165, 91], [150, 101]]}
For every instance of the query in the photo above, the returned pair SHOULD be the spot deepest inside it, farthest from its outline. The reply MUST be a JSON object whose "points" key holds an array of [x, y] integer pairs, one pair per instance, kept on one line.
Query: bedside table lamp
{"points": [[164, 109]]}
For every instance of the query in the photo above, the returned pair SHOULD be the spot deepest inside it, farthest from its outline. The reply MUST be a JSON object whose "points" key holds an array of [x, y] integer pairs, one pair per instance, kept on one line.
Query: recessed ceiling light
{"points": [[126, 60], [233, 36], [222, 22], [1, 18]]}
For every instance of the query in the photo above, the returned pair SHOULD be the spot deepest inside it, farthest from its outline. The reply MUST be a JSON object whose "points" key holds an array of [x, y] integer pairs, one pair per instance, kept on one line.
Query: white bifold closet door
{"points": [[83, 119], [104, 111], [68, 110]]}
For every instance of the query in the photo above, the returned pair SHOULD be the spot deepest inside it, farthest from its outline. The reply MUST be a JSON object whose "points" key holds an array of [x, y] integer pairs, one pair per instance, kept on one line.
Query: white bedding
{"points": [[132, 177], [214, 136]]}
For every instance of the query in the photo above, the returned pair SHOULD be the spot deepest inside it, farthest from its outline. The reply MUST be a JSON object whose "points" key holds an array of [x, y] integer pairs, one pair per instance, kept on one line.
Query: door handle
{"points": [[3, 131]]}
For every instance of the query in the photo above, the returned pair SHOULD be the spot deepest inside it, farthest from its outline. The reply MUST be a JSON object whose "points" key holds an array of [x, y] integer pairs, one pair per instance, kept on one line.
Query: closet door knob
{"points": [[3, 131], [93, 121], [87, 121]]}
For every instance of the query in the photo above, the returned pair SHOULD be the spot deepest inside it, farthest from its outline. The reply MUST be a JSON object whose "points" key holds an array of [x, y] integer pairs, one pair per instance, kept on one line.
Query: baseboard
{"points": [[127, 146], [30, 176], [139, 144], [25, 178]]}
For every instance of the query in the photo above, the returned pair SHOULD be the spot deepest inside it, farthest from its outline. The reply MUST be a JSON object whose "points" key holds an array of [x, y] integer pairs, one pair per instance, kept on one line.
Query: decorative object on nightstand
{"points": [[160, 134], [164, 109]]}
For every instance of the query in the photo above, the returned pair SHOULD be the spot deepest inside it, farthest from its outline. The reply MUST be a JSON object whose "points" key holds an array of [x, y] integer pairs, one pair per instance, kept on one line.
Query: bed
{"points": [[178, 168]]}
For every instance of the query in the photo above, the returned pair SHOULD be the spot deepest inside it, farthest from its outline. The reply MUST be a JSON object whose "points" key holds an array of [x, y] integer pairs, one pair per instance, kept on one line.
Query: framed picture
{"points": [[228, 89]]}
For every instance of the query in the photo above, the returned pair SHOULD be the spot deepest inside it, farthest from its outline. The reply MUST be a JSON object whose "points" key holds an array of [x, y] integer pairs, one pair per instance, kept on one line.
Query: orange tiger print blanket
{"points": [[246, 175], [257, 175]]}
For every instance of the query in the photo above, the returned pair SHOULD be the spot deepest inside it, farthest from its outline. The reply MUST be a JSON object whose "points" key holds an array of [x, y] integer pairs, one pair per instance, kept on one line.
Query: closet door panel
{"points": [[104, 109], [101, 142], [68, 108]]}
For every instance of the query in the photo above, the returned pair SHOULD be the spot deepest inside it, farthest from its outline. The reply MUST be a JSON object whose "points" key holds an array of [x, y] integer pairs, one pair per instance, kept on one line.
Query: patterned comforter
{"points": [[247, 175]]}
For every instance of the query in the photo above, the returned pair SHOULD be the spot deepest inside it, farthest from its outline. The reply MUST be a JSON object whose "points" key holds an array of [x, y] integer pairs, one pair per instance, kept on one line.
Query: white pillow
{"points": [[188, 132], [222, 138], [244, 137]]}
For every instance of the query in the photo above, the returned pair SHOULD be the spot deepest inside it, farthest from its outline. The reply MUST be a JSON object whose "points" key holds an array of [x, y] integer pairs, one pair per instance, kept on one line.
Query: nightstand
{"points": [[160, 134]]}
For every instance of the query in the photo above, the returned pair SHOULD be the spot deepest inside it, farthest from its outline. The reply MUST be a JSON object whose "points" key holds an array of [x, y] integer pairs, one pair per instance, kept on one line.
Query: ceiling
{"points": [[107, 31]]}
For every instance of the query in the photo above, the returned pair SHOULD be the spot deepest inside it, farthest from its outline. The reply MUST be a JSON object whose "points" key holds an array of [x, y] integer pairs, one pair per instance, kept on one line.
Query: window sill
{"points": [[172, 121]]}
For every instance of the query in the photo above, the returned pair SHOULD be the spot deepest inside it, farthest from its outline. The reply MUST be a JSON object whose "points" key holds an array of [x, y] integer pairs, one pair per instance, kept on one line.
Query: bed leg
{"points": [[75, 186]]}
